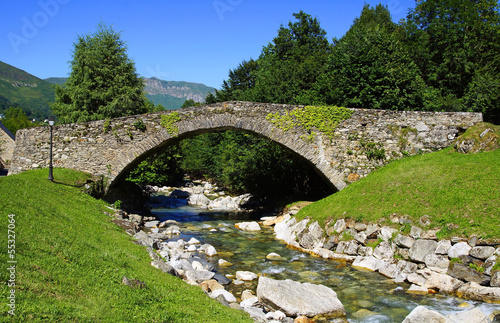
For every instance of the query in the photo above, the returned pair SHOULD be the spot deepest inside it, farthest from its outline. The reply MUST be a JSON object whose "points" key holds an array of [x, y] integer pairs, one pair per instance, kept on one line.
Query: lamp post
{"points": [[51, 124]]}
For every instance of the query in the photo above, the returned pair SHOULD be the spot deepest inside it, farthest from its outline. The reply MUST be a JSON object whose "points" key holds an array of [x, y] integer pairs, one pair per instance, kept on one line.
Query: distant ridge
{"points": [[18, 88], [170, 94], [57, 80]]}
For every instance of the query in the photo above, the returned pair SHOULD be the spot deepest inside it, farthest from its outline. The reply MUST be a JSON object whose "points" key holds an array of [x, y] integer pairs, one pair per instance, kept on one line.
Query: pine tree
{"points": [[103, 82]]}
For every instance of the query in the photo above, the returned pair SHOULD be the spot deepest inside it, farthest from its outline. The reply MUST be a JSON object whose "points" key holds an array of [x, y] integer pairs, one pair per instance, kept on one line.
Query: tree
{"points": [[160, 169], [454, 42], [15, 119], [103, 82], [190, 103], [370, 68], [241, 81], [288, 67]]}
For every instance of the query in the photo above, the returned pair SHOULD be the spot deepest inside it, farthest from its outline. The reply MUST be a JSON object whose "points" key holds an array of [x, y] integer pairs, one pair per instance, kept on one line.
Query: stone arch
{"points": [[224, 123], [110, 147]]}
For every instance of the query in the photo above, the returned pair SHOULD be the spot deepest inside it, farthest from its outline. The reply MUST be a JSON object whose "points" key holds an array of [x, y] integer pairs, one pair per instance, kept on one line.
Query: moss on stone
{"points": [[323, 118], [168, 121]]}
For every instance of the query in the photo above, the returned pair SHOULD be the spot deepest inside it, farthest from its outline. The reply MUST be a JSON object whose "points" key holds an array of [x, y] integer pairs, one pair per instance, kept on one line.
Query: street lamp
{"points": [[51, 124]]}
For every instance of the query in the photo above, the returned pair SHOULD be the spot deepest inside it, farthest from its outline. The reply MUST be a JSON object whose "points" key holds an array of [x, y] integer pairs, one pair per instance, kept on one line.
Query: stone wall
{"points": [[7, 144], [459, 266], [367, 140]]}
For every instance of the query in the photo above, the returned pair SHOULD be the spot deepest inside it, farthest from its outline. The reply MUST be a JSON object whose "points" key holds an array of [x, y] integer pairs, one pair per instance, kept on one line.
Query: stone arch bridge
{"points": [[359, 144]]}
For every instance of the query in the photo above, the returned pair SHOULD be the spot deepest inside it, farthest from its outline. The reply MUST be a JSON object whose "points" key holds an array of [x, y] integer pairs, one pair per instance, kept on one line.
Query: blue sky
{"points": [[195, 41]]}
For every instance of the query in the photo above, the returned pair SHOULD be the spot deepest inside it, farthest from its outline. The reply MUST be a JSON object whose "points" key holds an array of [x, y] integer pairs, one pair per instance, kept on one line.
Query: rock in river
{"points": [[248, 226], [422, 314], [296, 299], [246, 275]]}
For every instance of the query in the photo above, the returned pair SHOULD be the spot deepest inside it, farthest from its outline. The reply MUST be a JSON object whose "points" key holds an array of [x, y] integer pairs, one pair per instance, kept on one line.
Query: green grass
{"points": [[71, 259], [447, 186]]}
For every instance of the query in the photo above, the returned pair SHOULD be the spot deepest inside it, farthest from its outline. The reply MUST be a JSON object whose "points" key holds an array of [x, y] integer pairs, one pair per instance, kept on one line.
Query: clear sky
{"points": [[194, 41]]}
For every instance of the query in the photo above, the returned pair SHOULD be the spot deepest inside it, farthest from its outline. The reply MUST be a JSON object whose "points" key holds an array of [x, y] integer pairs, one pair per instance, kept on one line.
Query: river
{"points": [[366, 296]]}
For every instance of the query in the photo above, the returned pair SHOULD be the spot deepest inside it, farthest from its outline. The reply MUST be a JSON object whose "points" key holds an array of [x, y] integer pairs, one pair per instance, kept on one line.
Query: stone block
{"points": [[421, 248], [383, 251], [459, 249], [437, 263], [385, 233], [404, 241], [442, 247], [482, 252]]}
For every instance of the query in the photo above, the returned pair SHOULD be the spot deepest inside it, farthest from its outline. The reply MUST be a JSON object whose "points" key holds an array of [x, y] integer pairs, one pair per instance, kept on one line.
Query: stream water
{"points": [[366, 296]]}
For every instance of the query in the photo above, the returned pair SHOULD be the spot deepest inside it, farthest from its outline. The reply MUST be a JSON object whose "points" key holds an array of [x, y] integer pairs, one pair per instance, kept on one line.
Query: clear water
{"points": [[366, 296]]}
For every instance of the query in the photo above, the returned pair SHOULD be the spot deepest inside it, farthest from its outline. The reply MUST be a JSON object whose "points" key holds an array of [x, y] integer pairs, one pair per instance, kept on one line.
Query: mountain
{"points": [[21, 89], [170, 94], [56, 80]]}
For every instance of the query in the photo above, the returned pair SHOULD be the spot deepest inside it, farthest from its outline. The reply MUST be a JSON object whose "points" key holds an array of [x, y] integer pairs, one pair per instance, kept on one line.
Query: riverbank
{"points": [[71, 260], [458, 194], [199, 263]]}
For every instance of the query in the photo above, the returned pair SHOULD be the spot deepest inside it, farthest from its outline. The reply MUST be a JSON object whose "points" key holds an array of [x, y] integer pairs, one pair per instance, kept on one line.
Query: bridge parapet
{"points": [[365, 141]]}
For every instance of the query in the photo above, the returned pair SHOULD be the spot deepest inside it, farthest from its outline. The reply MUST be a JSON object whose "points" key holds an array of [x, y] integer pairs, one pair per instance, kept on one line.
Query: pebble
{"points": [[246, 275], [363, 314], [273, 256], [193, 241], [238, 282], [224, 263], [227, 295], [246, 294]]}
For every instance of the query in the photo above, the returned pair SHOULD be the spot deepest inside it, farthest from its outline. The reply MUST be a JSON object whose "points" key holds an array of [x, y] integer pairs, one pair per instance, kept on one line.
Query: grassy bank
{"points": [[460, 193], [71, 259]]}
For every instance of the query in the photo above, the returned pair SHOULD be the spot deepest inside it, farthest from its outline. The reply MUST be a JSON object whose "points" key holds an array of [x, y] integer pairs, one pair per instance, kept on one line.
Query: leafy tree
{"points": [[289, 66], [210, 98], [454, 43], [151, 107], [15, 119], [190, 103], [245, 163], [240, 81], [103, 82], [370, 68], [159, 169]]}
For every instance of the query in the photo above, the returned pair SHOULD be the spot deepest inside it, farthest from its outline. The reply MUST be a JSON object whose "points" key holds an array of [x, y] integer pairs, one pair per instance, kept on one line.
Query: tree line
{"points": [[443, 57]]}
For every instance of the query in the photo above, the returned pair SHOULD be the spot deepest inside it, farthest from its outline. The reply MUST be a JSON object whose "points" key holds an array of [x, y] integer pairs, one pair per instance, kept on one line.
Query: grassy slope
{"points": [[33, 100], [71, 260], [447, 186]]}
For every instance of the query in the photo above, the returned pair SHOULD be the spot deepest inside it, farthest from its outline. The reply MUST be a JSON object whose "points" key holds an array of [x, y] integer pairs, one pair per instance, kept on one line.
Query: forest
{"points": [[443, 57]]}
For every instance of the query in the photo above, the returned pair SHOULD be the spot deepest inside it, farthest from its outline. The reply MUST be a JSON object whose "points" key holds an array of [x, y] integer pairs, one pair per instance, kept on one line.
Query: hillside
{"points": [[19, 88], [56, 80], [71, 259], [457, 192], [170, 94]]}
